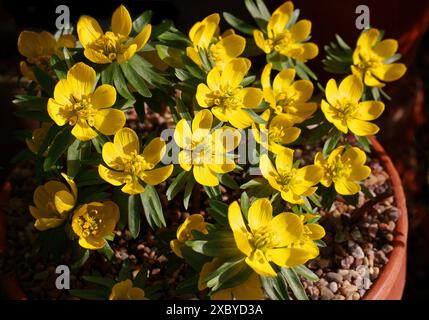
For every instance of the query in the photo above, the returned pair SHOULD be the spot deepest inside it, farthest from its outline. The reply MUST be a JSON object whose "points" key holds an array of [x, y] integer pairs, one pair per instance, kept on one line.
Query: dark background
{"points": [[404, 132]]}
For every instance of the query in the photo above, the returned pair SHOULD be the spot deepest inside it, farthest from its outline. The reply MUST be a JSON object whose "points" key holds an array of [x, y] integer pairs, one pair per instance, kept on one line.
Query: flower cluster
{"points": [[250, 219]]}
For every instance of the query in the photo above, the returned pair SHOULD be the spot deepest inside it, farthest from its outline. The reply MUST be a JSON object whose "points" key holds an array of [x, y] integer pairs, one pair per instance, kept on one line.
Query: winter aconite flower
{"points": [[126, 165], [344, 168], [225, 96], [53, 201], [250, 289], [75, 102], [287, 40], [38, 137], [293, 183], [278, 132], [344, 110], [124, 290], [283, 239], [94, 221], [372, 59], [205, 152], [114, 45], [286, 96], [184, 232], [222, 49], [38, 48]]}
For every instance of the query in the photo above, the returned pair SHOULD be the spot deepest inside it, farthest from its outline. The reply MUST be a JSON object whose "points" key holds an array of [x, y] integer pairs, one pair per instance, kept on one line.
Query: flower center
{"points": [[338, 169], [275, 134], [136, 163], [90, 222], [227, 99], [263, 238], [201, 152], [280, 41], [82, 110], [285, 178], [110, 44]]}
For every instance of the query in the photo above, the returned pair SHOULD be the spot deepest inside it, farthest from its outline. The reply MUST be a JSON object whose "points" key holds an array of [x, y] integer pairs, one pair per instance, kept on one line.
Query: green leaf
{"points": [[59, 66], [244, 203], [141, 21], [140, 279], [177, 185], [58, 147], [275, 287], [120, 83], [306, 273], [188, 192], [194, 69], [364, 143], [161, 28], [135, 79], [294, 283], [228, 181], [81, 260], [189, 285], [105, 282], [147, 72], [88, 178], [238, 24], [171, 56], [194, 259], [227, 273], [219, 211], [332, 142], [107, 74], [152, 207], [259, 18], [74, 156], [212, 192], [107, 251], [45, 81], [35, 115], [247, 80], [133, 216], [31, 103], [255, 116], [224, 246]]}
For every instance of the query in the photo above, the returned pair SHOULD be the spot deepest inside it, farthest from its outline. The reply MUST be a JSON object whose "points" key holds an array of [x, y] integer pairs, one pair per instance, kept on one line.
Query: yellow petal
{"points": [[317, 231], [260, 213], [96, 56], [362, 128], [332, 116], [369, 110], [204, 176], [250, 289], [121, 21], [109, 121], [368, 39], [57, 113], [221, 114], [390, 72], [183, 134], [226, 139], [204, 35], [83, 132], [346, 187], [240, 119], [154, 151], [266, 76], [289, 257], [113, 177], [64, 201], [351, 88], [44, 224], [45, 194], [63, 92], [301, 30], [81, 79], [127, 54], [251, 97], [360, 173], [104, 96], [279, 18], [234, 72], [386, 48], [92, 244], [176, 246], [192, 53], [310, 51], [283, 80], [141, 39], [311, 174], [127, 141], [284, 161], [203, 95], [287, 227], [202, 124], [88, 30], [231, 47], [267, 168], [292, 197], [133, 187], [185, 160], [260, 41], [156, 176], [236, 222], [331, 92], [71, 184], [372, 81], [355, 156], [29, 44], [67, 41], [259, 263]]}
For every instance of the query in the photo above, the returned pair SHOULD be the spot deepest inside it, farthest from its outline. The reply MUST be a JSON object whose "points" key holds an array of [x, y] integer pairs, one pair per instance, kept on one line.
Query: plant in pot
{"points": [[174, 166]]}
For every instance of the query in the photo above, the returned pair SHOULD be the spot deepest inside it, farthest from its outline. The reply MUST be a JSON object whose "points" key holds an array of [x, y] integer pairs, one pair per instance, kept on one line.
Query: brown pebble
{"points": [[347, 262], [333, 276], [326, 294]]}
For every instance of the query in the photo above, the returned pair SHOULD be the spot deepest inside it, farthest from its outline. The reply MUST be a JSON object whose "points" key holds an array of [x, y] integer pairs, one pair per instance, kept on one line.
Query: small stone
{"points": [[359, 282], [348, 290], [366, 283], [313, 291], [381, 258], [326, 294], [333, 286], [356, 235], [324, 263], [372, 230], [323, 283], [347, 262], [362, 292], [319, 272], [357, 252], [333, 276], [339, 297], [389, 237], [387, 248], [356, 296], [393, 213]]}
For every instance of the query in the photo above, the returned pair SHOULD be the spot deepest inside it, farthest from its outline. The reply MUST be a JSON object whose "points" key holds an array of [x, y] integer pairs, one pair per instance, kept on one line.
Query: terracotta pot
{"points": [[389, 285]]}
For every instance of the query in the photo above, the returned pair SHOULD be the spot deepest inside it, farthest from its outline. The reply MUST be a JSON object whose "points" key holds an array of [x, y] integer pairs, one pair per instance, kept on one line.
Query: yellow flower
{"points": [[283, 239], [37, 48], [287, 41], [124, 290], [224, 95], [130, 167], [38, 137], [115, 45], [371, 59], [93, 221], [280, 131], [53, 201], [76, 103], [293, 183], [222, 49], [344, 168], [248, 290], [204, 152], [286, 96], [183, 234], [344, 110]]}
